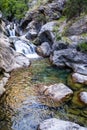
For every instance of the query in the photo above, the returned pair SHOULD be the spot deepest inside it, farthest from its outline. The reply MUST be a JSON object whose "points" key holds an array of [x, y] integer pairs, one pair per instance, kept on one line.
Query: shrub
{"points": [[82, 47], [74, 8], [13, 8]]}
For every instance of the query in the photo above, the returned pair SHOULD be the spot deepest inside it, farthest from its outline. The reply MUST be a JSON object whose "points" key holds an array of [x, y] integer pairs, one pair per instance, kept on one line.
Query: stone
{"points": [[2, 90], [57, 92], [7, 75], [83, 97], [31, 31], [10, 59], [79, 78], [44, 49], [57, 124], [70, 58], [78, 27], [46, 33], [59, 45]]}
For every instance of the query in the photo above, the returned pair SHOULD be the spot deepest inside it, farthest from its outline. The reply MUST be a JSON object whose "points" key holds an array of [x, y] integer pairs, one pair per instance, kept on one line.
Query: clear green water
{"points": [[22, 107]]}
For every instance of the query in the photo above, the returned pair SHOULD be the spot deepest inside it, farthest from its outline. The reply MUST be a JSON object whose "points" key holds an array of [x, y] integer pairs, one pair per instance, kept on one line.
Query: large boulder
{"points": [[46, 33], [44, 49], [72, 58], [59, 45], [31, 31], [57, 124], [10, 59], [57, 92]]}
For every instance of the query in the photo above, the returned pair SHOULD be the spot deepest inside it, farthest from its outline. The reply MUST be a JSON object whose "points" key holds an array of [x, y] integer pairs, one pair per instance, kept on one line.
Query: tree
{"points": [[13, 8], [74, 8]]}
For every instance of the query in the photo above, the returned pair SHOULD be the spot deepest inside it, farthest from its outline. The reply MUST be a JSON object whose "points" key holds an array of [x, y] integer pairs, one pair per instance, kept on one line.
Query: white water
{"points": [[22, 46], [28, 49], [11, 29]]}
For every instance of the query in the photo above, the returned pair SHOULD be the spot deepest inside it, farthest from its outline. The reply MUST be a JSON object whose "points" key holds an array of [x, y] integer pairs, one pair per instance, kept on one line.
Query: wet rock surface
{"points": [[57, 92], [79, 78], [44, 50], [71, 58], [57, 124], [83, 97]]}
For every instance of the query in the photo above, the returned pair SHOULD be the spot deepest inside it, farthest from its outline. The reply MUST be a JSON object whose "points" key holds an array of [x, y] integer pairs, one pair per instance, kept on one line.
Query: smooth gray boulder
{"points": [[46, 33], [57, 92], [57, 124], [44, 49], [70, 58]]}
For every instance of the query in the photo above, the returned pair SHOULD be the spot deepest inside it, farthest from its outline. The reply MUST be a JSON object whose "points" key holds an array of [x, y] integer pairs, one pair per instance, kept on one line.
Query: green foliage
{"points": [[74, 8], [13, 8], [83, 47], [56, 33]]}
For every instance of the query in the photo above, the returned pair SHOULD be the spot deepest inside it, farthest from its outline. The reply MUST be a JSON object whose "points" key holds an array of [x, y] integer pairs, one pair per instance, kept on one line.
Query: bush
{"points": [[74, 8], [82, 47], [13, 8]]}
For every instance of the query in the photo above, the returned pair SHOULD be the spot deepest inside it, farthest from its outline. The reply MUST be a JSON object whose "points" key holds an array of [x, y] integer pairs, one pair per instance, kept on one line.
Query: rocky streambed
{"points": [[24, 105]]}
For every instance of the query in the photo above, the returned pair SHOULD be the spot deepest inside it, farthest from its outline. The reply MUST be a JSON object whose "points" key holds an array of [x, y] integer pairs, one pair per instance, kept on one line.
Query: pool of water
{"points": [[22, 106]]}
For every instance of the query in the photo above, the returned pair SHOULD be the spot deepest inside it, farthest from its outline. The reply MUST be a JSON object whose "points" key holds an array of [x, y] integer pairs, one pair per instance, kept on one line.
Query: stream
{"points": [[23, 107]]}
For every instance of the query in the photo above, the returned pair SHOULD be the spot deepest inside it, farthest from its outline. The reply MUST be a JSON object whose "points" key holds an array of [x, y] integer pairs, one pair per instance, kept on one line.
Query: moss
{"points": [[56, 32]]}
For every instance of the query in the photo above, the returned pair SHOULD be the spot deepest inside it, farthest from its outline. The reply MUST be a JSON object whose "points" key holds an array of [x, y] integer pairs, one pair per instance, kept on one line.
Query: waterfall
{"points": [[21, 44], [11, 29], [26, 48]]}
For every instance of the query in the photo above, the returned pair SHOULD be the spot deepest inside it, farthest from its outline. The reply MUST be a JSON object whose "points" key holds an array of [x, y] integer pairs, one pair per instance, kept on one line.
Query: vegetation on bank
{"points": [[82, 47], [13, 9], [74, 8]]}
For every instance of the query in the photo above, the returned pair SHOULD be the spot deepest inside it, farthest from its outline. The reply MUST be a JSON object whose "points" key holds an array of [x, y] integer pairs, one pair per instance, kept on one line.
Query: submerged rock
{"points": [[83, 97], [57, 92], [57, 124], [79, 78]]}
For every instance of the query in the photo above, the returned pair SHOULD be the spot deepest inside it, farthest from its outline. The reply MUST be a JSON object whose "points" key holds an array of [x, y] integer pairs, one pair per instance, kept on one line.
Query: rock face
{"points": [[10, 60], [71, 58], [47, 12], [83, 97], [57, 124], [46, 33], [78, 27], [44, 50], [79, 78], [57, 92], [60, 45]]}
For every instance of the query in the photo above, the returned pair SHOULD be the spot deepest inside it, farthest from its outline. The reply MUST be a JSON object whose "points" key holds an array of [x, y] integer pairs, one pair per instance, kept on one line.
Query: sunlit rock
{"points": [[79, 78], [83, 97], [57, 124], [57, 92]]}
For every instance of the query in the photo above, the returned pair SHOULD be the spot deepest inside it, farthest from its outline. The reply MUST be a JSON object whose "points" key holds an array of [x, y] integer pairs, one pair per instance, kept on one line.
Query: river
{"points": [[23, 107]]}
